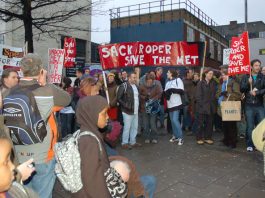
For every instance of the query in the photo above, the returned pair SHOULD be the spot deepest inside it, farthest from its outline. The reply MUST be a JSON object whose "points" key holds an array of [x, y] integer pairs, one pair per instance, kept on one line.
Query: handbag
{"points": [[231, 110]]}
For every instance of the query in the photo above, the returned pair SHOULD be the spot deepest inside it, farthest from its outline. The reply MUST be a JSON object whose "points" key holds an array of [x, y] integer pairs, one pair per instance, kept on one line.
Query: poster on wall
{"points": [[70, 52], [120, 55], [10, 58], [55, 65]]}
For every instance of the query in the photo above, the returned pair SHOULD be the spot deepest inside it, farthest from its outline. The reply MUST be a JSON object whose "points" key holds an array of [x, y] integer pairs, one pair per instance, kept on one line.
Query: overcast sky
{"points": [[221, 11]]}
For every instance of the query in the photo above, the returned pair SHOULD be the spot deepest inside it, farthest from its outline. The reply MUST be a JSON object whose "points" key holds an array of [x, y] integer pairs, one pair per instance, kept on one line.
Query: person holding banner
{"points": [[253, 86], [228, 90], [205, 107]]}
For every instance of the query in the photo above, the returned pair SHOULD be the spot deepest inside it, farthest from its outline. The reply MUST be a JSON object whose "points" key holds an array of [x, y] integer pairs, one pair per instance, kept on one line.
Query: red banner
{"points": [[149, 54], [239, 62], [70, 52]]}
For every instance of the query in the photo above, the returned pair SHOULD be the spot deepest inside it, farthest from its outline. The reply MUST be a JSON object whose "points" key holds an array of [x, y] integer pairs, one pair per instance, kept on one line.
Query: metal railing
{"points": [[161, 6]]}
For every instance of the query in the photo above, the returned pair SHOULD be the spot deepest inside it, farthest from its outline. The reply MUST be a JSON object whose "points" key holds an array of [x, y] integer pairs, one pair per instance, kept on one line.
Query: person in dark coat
{"points": [[205, 107]]}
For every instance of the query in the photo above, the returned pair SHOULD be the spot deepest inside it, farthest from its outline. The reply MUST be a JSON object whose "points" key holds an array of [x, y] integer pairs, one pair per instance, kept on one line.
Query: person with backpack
{"points": [[173, 91], [229, 89], [150, 95], [95, 167], [28, 111]]}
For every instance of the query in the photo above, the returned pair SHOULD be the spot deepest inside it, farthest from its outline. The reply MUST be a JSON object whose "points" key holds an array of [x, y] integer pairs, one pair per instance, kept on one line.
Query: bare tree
{"points": [[41, 17]]}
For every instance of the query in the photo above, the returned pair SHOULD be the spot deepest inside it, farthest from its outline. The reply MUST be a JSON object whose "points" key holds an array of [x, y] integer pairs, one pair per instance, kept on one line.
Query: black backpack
{"points": [[22, 116]]}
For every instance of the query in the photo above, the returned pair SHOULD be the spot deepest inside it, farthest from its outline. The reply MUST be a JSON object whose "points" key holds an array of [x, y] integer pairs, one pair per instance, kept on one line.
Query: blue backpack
{"points": [[22, 116]]}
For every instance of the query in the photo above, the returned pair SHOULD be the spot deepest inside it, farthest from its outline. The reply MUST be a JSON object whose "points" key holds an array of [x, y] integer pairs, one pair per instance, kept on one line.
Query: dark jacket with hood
{"points": [[125, 98], [259, 84], [93, 162], [153, 92], [206, 102]]}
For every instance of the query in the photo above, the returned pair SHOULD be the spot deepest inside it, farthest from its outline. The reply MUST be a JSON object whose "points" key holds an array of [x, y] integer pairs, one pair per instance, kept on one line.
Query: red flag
{"points": [[239, 62], [70, 52]]}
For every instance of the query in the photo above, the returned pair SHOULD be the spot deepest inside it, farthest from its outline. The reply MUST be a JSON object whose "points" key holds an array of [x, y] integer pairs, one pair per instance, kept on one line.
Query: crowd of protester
{"points": [[151, 104]]}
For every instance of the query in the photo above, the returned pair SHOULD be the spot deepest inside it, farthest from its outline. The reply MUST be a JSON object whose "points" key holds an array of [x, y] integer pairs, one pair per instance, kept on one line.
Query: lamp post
{"points": [[246, 15]]}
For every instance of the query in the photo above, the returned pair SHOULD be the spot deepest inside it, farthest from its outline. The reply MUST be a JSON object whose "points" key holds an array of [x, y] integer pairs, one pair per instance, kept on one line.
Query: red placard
{"points": [[70, 52], [149, 54], [239, 61]]}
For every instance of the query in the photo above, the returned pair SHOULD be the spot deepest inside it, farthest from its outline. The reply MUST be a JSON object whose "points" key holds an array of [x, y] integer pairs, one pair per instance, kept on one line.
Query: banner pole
{"points": [[250, 70], [106, 86], [203, 63]]}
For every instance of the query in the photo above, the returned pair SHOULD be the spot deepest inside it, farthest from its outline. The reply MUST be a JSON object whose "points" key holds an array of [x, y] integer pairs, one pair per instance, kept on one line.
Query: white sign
{"points": [[55, 68], [226, 54], [10, 57]]}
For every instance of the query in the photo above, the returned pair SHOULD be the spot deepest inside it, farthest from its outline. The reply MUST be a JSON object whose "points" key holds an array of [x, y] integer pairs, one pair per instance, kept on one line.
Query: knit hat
{"points": [[111, 74], [31, 65]]}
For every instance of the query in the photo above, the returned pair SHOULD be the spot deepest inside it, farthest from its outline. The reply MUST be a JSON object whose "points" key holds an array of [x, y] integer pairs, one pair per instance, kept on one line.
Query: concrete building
{"points": [[169, 20], [257, 49], [42, 42]]}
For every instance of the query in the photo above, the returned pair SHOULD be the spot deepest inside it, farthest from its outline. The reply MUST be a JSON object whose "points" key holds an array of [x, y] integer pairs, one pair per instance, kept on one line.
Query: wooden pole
{"points": [[203, 63], [106, 86]]}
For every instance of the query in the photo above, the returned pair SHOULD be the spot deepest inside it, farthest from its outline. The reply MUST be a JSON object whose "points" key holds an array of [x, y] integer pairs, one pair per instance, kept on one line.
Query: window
{"points": [[262, 52], [202, 37], [261, 34], [190, 34], [219, 51], [2, 39], [212, 48]]}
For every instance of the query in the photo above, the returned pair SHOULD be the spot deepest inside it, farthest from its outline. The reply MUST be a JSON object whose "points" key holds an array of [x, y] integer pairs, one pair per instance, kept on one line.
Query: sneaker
{"points": [[250, 149], [154, 141], [173, 139], [200, 142], [136, 145], [180, 141], [147, 141], [126, 146], [209, 141]]}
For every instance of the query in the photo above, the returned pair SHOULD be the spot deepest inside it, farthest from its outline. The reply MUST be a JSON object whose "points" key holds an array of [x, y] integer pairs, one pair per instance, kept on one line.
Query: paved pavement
{"points": [[193, 170]]}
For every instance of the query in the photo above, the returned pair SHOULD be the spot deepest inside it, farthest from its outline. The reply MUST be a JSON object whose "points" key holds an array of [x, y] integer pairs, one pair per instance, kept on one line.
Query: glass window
{"points": [[261, 34], [202, 37], [219, 56], [190, 34], [212, 48], [2, 39]]}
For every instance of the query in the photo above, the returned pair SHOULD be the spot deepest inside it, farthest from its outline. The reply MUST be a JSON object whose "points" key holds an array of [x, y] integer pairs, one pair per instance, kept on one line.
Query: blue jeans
{"points": [[110, 151], [186, 117], [161, 115], [176, 128], [150, 131], [130, 128], [194, 127], [149, 183], [251, 113], [43, 181]]}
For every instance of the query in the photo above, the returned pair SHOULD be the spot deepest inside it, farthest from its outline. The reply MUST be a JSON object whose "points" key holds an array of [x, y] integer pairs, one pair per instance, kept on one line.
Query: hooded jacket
{"points": [[93, 162]]}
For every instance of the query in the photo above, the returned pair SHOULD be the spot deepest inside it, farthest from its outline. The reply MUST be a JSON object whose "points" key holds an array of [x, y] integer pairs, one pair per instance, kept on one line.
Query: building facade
{"points": [[168, 21], [11, 35]]}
